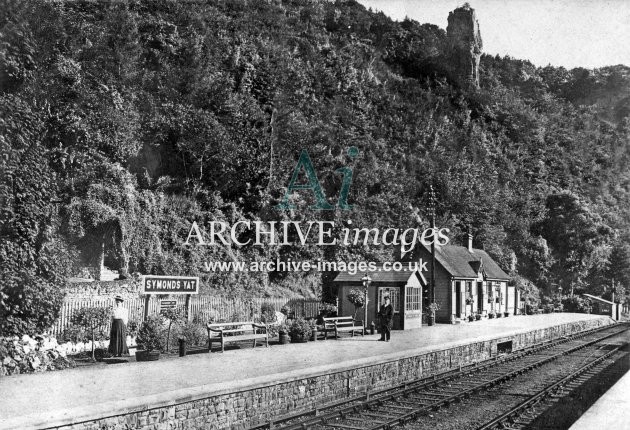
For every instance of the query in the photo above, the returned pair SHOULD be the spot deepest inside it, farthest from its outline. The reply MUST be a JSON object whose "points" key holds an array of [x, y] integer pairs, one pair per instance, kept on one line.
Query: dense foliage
{"points": [[122, 122]]}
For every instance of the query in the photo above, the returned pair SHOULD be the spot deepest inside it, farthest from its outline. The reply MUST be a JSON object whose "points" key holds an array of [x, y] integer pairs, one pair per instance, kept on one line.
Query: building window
{"points": [[394, 296], [468, 289], [413, 298]]}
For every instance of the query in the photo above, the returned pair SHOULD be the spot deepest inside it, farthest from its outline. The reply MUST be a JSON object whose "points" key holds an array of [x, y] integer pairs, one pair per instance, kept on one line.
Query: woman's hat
{"points": [[119, 298]]}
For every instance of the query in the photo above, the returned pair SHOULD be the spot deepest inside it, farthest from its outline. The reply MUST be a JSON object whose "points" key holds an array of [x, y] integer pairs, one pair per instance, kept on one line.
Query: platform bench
{"points": [[342, 324], [236, 332]]}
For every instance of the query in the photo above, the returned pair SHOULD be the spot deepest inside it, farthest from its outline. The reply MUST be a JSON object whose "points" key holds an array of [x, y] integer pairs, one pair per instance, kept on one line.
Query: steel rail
{"points": [[360, 403], [513, 414], [480, 387]]}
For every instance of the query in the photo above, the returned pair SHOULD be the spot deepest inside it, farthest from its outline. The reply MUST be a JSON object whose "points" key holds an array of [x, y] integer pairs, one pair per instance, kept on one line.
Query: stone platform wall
{"points": [[259, 404]]}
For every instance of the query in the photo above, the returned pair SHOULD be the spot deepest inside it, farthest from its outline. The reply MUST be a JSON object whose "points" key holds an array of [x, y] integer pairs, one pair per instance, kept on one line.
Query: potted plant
{"points": [[300, 330], [491, 315], [471, 318], [478, 316], [357, 298], [506, 314], [283, 332], [431, 309], [150, 339]]}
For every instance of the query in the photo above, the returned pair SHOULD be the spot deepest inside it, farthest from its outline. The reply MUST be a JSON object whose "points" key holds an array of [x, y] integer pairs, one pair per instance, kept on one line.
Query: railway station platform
{"points": [[611, 411], [246, 386]]}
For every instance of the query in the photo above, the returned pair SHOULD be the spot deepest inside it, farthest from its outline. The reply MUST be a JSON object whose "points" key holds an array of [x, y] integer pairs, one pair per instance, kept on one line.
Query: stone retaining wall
{"points": [[259, 404]]}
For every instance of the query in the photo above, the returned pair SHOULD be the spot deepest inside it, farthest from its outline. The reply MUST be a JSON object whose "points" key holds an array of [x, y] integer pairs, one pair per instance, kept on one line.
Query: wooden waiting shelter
{"points": [[404, 288]]}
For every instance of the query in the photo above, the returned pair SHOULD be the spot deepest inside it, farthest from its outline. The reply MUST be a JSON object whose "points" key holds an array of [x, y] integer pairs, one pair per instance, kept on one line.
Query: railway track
{"points": [[525, 414], [388, 408]]}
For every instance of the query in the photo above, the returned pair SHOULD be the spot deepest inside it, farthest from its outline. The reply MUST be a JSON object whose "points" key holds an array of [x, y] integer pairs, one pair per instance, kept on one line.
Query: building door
{"points": [[480, 297], [394, 295], [458, 299]]}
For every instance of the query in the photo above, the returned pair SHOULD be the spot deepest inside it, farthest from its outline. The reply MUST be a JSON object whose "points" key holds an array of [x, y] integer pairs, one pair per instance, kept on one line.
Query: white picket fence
{"points": [[202, 308]]}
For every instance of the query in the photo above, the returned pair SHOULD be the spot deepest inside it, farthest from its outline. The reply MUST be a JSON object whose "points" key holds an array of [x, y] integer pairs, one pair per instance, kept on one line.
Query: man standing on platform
{"points": [[386, 314]]}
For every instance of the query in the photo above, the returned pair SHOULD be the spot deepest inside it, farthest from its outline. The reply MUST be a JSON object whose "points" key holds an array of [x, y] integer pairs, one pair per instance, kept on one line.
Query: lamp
{"points": [[366, 284]]}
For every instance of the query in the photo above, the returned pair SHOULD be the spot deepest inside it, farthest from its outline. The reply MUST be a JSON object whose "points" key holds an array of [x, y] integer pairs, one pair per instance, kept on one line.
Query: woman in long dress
{"points": [[118, 334]]}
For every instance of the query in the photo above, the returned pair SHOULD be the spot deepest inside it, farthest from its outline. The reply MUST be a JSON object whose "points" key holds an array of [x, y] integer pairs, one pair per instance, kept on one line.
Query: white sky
{"points": [[569, 33]]}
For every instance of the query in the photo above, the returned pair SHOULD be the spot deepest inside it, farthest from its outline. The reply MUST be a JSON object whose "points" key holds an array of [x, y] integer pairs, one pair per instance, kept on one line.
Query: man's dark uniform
{"points": [[387, 315]]}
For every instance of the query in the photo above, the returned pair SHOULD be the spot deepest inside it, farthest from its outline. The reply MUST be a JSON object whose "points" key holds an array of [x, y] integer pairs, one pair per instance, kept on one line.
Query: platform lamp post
{"points": [[366, 285]]}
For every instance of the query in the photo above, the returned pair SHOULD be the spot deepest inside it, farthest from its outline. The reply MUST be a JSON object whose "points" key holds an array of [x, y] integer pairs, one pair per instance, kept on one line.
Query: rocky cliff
{"points": [[464, 45]]}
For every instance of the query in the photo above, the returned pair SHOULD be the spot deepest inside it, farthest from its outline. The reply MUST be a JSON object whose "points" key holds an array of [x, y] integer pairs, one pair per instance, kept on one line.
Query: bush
{"points": [[194, 333], [576, 304], [74, 334], [300, 330], [548, 308], [328, 310], [150, 334], [28, 305], [240, 315], [29, 355], [132, 328]]}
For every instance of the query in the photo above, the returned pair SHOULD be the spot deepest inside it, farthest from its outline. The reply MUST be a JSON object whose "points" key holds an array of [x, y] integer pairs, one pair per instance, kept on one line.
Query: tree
{"points": [[94, 320], [173, 315], [574, 234]]}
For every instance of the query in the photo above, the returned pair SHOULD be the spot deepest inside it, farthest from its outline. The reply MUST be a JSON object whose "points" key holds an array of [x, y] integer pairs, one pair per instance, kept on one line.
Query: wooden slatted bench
{"points": [[236, 332], [342, 324]]}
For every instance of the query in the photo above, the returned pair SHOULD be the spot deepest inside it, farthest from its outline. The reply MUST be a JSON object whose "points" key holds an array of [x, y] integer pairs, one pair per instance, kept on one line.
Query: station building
{"points": [[467, 282], [403, 287]]}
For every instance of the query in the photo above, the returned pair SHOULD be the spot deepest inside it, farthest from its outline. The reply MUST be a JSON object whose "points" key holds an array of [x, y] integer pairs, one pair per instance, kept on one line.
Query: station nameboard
{"points": [[170, 284]]}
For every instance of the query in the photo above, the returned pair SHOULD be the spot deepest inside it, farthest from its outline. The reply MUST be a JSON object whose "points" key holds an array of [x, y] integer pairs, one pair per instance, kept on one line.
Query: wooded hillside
{"points": [[123, 122]]}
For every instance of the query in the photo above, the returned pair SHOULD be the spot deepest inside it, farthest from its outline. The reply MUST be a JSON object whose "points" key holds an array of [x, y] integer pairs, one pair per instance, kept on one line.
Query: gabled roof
{"points": [[378, 275], [461, 263]]}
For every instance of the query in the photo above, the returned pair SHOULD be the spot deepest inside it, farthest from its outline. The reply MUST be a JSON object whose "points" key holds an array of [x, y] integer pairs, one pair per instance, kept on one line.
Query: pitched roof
{"points": [[378, 275], [461, 263]]}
